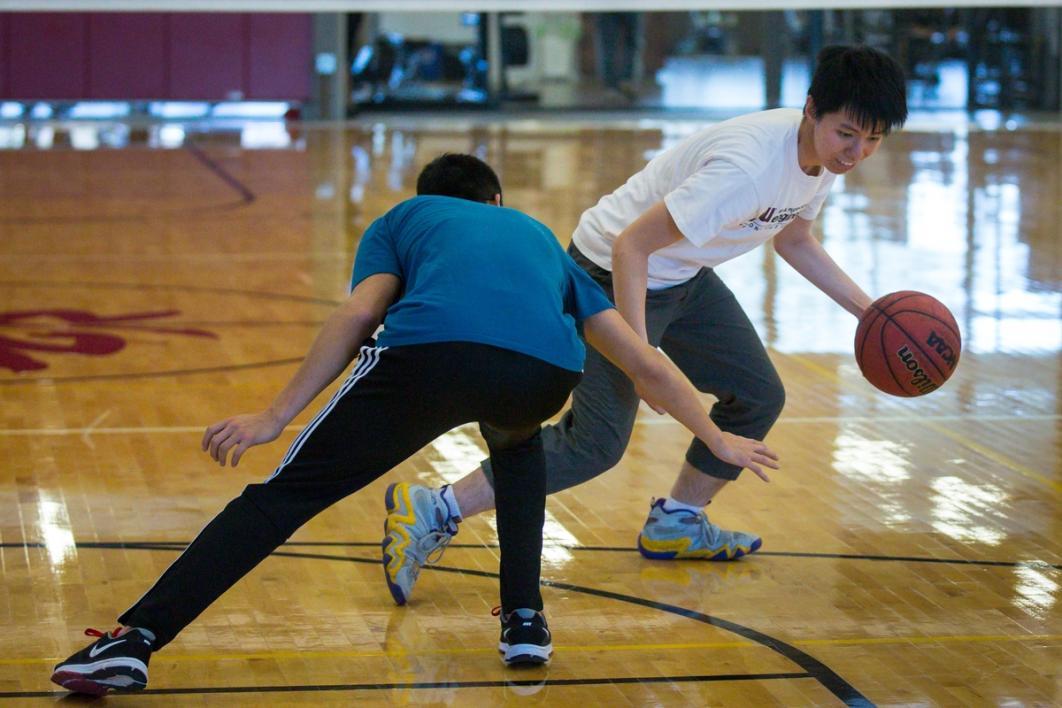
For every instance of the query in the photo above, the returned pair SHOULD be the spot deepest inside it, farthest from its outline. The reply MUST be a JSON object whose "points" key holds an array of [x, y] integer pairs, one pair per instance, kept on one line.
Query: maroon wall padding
{"points": [[5, 61], [48, 55], [165, 56], [127, 55], [279, 56], [206, 56]]}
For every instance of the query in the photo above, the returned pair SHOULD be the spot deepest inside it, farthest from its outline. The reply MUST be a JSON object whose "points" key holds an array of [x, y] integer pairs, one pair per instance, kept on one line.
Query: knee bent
{"points": [[758, 408], [772, 400]]}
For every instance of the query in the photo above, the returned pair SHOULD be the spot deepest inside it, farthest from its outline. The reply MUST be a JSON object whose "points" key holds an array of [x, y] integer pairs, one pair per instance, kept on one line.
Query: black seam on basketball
{"points": [[952, 331], [918, 344], [888, 362], [860, 346], [892, 303], [879, 308]]}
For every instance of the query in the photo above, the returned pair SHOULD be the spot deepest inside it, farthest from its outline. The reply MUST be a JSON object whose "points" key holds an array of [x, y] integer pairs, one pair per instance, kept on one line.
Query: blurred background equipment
{"points": [[332, 64]]}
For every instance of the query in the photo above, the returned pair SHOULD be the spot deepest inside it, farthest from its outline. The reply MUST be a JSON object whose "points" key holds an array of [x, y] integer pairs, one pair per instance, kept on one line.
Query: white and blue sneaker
{"points": [[416, 532], [679, 534]]}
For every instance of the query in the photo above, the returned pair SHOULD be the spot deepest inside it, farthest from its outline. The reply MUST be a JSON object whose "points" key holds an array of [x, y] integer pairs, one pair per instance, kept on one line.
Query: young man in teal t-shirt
{"points": [[480, 306]]}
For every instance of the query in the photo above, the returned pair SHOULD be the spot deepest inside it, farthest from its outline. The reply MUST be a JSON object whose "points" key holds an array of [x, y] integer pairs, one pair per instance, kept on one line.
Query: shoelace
{"points": [[711, 531], [93, 632], [496, 611], [433, 545]]}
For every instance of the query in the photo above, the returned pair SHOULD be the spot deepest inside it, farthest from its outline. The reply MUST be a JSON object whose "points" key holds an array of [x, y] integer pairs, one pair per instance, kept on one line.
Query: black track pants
{"points": [[394, 402]]}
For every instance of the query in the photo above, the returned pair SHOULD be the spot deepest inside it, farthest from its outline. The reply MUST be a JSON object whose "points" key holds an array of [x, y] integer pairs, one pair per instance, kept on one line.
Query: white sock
{"points": [[672, 505], [447, 494]]}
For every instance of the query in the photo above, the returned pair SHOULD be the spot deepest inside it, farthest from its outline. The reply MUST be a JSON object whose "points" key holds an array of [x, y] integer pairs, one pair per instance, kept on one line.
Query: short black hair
{"points": [[866, 83], [461, 176]]}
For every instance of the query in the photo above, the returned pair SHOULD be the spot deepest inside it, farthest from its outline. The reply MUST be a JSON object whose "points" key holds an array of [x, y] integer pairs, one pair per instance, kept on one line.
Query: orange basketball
{"points": [[907, 343]]}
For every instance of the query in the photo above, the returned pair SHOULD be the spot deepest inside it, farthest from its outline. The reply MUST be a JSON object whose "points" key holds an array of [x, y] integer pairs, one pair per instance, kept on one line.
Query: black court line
{"points": [[169, 545], [817, 670], [514, 683], [246, 195], [814, 668], [858, 556]]}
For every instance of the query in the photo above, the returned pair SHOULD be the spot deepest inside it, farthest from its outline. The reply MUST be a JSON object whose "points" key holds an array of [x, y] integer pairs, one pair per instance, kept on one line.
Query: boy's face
{"points": [[841, 142]]}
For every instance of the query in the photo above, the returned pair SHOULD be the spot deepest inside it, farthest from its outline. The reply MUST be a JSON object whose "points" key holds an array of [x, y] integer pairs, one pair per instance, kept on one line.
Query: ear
{"points": [[809, 109], [496, 201]]}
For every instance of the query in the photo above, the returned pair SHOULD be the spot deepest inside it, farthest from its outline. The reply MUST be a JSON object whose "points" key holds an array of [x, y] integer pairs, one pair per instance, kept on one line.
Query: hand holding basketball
{"points": [[907, 343]]}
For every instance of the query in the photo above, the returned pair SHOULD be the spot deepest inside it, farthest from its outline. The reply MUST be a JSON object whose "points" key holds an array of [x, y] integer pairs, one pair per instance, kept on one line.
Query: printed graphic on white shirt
{"points": [[729, 188]]}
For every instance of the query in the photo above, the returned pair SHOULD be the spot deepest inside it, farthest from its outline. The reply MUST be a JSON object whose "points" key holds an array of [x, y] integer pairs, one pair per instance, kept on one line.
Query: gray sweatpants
{"points": [[701, 326]]}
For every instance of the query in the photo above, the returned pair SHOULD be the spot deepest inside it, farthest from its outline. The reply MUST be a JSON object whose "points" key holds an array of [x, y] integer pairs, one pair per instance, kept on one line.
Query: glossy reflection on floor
{"points": [[155, 279]]}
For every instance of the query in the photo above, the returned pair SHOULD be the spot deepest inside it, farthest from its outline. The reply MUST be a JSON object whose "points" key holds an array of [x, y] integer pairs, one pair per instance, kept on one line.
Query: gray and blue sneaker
{"points": [[682, 534], [416, 532]]}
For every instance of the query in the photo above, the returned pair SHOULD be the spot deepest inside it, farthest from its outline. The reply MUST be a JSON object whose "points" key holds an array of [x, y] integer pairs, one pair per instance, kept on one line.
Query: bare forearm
{"points": [[630, 279], [655, 377], [653, 230], [331, 352], [663, 385], [810, 259]]}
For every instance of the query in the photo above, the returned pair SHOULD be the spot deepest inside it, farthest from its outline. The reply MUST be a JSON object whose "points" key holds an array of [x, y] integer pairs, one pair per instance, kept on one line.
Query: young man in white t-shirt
{"points": [[652, 244]]}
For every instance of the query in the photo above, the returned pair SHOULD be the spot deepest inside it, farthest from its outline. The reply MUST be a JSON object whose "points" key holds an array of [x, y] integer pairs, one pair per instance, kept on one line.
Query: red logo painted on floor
{"points": [[71, 331]]}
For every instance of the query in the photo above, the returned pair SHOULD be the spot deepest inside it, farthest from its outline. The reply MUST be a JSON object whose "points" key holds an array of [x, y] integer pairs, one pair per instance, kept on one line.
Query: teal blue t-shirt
{"points": [[474, 272]]}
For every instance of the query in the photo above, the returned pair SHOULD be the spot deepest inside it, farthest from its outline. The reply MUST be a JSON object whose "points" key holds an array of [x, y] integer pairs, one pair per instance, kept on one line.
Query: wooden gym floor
{"points": [[153, 282]]}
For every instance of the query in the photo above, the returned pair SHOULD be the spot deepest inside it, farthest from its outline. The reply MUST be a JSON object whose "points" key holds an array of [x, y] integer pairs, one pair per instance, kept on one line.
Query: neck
{"points": [[806, 157]]}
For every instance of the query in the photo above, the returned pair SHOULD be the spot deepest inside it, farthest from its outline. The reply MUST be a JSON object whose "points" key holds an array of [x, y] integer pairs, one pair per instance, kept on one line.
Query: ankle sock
{"points": [[146, 632], [448, 496], [672, 505]]}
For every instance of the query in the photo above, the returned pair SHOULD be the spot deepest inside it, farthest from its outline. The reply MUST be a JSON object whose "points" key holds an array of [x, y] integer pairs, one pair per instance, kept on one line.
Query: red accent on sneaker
{"points": [[116, 632]]}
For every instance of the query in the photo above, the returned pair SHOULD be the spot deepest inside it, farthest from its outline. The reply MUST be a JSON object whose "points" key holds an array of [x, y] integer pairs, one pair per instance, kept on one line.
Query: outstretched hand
{"points": [[238, 434], [745, 452]]}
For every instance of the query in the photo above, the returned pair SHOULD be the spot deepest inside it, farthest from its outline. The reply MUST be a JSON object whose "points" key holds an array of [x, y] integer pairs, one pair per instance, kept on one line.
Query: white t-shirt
{"points": [[729, 188]]}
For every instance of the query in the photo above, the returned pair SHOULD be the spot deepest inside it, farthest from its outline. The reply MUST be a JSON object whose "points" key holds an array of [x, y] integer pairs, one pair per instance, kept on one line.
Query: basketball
{"points": [[907, 343]]}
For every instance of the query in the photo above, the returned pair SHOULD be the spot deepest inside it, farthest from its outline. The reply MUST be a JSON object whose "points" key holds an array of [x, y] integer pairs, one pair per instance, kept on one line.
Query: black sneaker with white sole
{"points": [[114, 662], [525, 638]]}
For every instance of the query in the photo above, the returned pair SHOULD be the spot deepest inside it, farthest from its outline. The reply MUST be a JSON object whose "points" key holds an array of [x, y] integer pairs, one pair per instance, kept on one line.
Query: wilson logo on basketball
{"points": [[919, 379], [943, 348]]}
